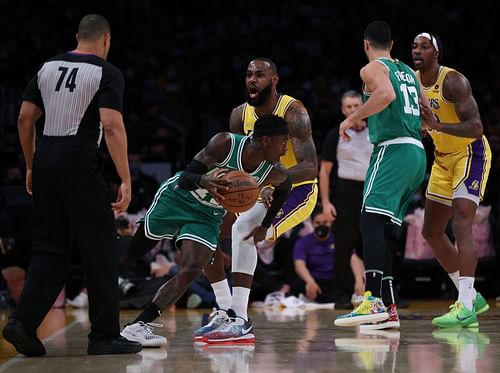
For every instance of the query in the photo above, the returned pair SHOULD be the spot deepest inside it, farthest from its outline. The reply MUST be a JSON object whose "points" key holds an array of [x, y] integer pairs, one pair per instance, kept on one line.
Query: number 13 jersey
{"points": [[402, 117]]}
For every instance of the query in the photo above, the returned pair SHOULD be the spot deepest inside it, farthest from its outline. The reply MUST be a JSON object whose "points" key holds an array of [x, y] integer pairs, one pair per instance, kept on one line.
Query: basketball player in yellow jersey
{"points": [[300, 161], [458, 178]]}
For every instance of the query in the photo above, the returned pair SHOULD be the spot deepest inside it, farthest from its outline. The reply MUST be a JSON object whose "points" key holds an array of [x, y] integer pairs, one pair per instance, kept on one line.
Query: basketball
{"points": [[242, 194]]}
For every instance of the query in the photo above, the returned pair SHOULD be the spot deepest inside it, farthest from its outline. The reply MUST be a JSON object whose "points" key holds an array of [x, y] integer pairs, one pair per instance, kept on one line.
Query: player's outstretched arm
{"points": [[376, 79], [282, 184]]}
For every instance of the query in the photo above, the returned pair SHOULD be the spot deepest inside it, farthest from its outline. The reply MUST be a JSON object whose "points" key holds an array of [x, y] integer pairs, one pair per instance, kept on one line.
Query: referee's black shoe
{"points": [[25, 342], [115, 345]]}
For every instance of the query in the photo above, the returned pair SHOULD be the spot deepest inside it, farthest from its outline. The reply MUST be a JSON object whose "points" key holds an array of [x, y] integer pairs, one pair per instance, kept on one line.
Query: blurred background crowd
{"points": [[184, 65]]}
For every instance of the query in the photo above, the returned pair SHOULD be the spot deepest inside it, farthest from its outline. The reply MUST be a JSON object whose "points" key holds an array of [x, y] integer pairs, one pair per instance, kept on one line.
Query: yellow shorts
{"points": [[460, 175]]}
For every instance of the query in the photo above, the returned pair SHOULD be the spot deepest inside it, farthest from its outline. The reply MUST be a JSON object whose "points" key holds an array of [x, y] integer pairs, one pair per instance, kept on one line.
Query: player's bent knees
{"points": [[431, 233]]}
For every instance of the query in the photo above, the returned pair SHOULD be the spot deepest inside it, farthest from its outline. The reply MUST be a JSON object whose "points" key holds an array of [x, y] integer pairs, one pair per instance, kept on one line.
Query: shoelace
{"points": [[214, 316], [364, 307], [455, 306], [148, 329]]}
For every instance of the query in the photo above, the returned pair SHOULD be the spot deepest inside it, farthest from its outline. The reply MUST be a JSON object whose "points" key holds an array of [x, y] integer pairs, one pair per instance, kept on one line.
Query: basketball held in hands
{"points": [[242, 192]]}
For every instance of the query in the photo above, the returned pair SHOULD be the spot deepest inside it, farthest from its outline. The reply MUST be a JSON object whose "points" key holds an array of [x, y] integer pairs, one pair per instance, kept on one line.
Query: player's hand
{"points": [[122, 199], [258, 234], [344, 126], [266, 195], [359, 288], [29, 182], [312, 290], [428, 118], [330, 211], [214, 183]]}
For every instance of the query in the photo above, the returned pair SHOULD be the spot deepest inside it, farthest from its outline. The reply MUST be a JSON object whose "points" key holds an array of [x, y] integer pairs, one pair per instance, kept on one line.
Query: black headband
{"points": [[270, 131], [270, 125]]}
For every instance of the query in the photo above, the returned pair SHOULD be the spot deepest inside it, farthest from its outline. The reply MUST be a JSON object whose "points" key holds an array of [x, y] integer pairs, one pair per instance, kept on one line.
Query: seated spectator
{"points": [[313, 260]]}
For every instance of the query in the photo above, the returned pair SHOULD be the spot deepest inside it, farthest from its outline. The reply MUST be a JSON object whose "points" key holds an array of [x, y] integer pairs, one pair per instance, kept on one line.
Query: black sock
{"points": [[374, 282], [374, 250], [387, 291], [149, 314]]}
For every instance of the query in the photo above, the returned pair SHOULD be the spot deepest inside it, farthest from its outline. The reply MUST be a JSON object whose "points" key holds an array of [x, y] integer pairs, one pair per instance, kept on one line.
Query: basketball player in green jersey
{"points": [[186, 207], [300, 162], [397, 167]]}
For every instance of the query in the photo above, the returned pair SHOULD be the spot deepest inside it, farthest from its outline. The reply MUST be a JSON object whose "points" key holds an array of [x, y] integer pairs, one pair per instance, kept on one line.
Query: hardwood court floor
{"points": [[288, 340]]}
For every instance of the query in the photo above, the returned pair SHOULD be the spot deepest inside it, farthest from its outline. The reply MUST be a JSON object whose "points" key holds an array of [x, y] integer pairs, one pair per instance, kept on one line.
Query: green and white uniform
{"points": [[397, 164], [195, 215]]}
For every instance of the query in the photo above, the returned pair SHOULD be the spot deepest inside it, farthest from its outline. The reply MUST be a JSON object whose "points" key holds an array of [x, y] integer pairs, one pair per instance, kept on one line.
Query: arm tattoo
{"points": [[456, 88], [235, 122], [299, 124], [276, 176]]}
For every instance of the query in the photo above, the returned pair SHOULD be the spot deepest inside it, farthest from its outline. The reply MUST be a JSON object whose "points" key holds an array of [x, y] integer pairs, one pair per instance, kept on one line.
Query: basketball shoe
{"points": [[371, 310], [480, 304], [234, 330], [216, 319], [458, 316], [143, 333], [391, 323]]}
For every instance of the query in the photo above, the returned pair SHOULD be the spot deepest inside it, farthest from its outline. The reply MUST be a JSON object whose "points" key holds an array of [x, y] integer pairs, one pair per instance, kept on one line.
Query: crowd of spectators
{"points": [[185, 62]]}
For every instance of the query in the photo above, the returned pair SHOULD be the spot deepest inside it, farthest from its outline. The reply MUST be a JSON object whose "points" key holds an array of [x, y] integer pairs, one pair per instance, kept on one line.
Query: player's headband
{"points": [[270, 131], [431, 38]]}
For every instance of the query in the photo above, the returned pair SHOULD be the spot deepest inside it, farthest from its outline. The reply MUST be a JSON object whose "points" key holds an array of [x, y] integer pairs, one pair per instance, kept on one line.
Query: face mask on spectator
{"points": [[321, 231]]}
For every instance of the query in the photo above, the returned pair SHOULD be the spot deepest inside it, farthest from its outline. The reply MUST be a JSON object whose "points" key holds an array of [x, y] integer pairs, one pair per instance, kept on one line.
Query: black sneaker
{"points": [[116, 345], [25, 342]]}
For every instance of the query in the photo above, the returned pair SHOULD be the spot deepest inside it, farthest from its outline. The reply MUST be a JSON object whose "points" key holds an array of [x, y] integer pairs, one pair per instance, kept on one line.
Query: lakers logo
{"points": [[474, 185], [434, 103]]}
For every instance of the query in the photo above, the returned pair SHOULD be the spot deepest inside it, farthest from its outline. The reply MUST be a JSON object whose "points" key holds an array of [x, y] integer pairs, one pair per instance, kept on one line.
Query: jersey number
{"points": [[70, 82], [411, 99]]}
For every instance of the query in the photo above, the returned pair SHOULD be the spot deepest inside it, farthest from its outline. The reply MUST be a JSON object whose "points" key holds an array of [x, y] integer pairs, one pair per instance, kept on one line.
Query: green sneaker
{"points": [[459, 316], [480, 304]]}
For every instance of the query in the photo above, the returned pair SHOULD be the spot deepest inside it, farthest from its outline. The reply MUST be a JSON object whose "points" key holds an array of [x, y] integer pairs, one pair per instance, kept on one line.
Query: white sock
{"points": [[465, 291], [222, 294], [240, 301], [454, 277]]}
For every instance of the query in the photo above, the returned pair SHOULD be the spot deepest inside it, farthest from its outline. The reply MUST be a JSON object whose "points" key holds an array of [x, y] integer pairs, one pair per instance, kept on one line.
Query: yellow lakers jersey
{"points": [[249, 117], [445, 112]]}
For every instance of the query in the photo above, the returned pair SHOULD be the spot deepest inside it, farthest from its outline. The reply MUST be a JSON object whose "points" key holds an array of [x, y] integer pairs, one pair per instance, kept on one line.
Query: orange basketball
{"points": [[242, 194]]}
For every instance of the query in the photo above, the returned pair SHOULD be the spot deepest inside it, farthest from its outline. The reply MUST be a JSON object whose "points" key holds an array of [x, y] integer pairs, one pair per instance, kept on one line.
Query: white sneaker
{"points": [[80, 301], [143, 333], [217, 318]]}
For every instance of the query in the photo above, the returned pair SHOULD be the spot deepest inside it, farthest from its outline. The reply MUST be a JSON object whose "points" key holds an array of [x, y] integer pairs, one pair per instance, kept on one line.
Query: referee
{"points": [[342, 174], [81, 96]]}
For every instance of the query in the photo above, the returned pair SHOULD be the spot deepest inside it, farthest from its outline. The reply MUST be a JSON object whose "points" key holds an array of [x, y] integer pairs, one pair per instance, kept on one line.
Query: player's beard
{"points": [[262, 97]]}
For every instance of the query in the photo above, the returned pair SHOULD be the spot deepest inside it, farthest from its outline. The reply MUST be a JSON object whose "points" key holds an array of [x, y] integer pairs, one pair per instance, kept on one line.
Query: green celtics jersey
{"points": [[402, 117], [232, 162]]}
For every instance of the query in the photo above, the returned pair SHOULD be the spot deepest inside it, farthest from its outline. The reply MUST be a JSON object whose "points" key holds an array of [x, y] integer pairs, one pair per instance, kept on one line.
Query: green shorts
{"points": [[179, 213], [395, 173]]}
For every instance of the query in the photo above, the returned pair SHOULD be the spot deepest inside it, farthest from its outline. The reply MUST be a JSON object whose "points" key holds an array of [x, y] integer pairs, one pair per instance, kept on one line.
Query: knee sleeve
{"points": [[244, 252]]}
